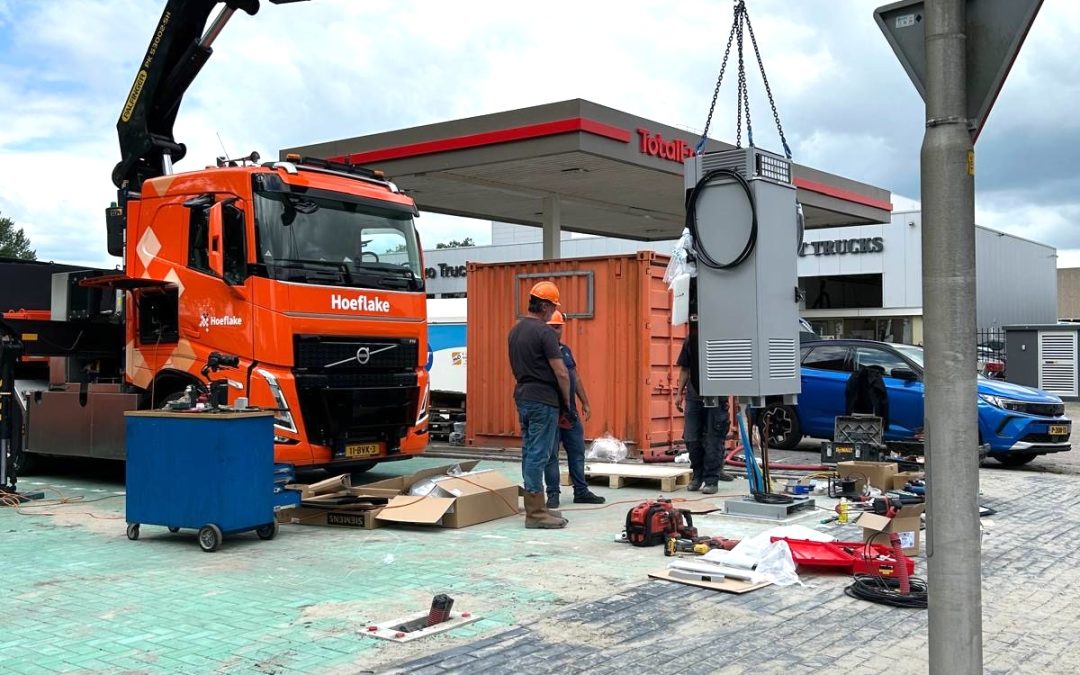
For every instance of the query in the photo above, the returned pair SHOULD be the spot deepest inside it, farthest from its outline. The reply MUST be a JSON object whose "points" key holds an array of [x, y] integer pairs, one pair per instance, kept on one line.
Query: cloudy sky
{"points": [[326, 69]]}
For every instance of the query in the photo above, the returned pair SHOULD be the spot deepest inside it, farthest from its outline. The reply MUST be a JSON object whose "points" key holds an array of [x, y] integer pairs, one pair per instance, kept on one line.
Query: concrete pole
{"points": [[948, 246], [552, 228]]}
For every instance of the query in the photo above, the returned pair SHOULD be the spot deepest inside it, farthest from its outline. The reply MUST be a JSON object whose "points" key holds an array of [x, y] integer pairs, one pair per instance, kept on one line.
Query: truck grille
{"points": [[356, 388], [340, 353]]}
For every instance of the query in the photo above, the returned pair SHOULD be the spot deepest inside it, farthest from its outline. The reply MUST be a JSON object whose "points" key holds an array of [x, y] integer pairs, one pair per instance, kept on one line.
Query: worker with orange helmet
{"points": [[542, 390], [571, 433]]}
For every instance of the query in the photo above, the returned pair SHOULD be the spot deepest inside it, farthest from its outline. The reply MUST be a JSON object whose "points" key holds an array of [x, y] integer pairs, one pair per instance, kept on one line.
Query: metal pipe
{"points": [[217, 26], [166, 164], [948, 252]]}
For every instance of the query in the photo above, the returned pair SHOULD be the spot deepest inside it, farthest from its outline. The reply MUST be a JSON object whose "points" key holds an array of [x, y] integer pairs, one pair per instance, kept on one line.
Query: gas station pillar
{"points": [[552, 228]]}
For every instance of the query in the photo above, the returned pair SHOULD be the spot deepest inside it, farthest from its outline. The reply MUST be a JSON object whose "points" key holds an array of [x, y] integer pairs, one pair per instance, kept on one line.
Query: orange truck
{"points": [[308, 272]]}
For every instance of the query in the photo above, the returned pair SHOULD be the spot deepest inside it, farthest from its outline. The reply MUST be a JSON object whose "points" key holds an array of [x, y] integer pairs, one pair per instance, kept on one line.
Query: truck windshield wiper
{"points": [[294, 262]]}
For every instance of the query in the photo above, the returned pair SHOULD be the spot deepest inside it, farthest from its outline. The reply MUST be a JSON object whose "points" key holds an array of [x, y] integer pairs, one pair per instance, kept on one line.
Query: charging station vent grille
{"points": [[782, 359], [749, 163], [729, 359]]}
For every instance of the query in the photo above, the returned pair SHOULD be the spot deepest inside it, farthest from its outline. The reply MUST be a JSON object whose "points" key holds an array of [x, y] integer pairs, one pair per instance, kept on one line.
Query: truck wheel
{"points": [[133, 531], [268, 531], [1015, 459], [785, 431], [210, 537]]}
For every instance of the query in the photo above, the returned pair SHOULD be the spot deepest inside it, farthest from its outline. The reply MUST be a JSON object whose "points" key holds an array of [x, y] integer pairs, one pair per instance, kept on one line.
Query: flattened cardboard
{"points": [[426, 510], [907, 523], [878, 474], [736, 586]]}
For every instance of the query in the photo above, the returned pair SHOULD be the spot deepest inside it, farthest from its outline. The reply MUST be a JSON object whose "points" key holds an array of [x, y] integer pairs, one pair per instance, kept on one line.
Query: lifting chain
{"points": [[740, 23]]}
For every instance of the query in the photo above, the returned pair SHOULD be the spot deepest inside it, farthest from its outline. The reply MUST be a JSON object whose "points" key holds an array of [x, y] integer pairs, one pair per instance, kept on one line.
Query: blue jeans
{"points": [[539, 424], [573, 439], [704, 430]]}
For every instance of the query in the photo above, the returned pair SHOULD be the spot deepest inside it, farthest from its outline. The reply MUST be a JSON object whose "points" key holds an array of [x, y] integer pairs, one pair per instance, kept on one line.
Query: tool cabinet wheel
{"points": [[174, 530], [268, 531], [210, 537], [133, 531]]}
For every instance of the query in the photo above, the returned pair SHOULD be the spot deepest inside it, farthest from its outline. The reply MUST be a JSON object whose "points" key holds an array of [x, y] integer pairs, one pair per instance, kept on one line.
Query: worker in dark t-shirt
{"points": [[541, 393], [704, 429]]}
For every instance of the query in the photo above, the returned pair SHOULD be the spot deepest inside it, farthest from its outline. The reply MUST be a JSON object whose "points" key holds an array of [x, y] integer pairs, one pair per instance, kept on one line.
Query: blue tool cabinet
{"points": [[210, 471]]}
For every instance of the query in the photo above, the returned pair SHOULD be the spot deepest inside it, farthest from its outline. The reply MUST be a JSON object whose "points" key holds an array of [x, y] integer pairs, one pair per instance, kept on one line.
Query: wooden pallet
{"points": [[671, 478]]}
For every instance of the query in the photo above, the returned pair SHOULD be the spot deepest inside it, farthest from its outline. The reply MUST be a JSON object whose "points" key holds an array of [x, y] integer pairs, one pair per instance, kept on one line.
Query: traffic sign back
{"points": [[995, 31]]}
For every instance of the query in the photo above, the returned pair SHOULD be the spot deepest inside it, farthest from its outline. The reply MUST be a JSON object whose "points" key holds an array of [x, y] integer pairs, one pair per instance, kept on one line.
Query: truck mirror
{"points": [[215, 256]]}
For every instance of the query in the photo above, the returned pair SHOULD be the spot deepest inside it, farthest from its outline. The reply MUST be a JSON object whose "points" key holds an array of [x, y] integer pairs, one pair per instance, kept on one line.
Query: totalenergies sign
{"points": [[655, 145]]}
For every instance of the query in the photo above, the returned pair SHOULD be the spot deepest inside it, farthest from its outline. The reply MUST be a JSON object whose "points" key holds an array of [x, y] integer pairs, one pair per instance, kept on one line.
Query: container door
{"points": [[1057, 362]]}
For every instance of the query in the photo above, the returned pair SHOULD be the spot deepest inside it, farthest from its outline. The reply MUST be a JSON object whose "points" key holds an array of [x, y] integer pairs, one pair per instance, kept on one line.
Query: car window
{"points": [[871, 356], [828, 357]]}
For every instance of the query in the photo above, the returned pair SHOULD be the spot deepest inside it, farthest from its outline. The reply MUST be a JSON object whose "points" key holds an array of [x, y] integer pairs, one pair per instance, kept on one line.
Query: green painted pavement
{"points": [[82, 597]]}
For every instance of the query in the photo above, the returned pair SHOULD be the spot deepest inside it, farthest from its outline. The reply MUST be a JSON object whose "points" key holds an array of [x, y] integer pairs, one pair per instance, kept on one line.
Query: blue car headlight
{"points": [[1004, 403]]}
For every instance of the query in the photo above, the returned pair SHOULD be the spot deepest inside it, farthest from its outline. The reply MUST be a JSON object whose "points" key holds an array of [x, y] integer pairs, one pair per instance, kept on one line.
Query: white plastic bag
{"points": [[777, 566], [607, 448], [681, 262]]}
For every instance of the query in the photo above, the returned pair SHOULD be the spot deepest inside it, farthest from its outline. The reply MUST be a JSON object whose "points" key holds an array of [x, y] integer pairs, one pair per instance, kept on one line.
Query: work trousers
{"points": [[704, 430], [573, 439], [539, 424]]}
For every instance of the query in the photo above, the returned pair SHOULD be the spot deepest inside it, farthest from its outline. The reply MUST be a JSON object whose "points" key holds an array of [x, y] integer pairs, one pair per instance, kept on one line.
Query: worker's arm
{"points": [[680, 388], [562, 376], [586, 409]]}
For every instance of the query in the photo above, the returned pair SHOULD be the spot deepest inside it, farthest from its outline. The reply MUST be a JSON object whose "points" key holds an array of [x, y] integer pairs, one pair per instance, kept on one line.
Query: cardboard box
{"points": [[901, 479], [907, 523], [877, 474], [455, 502], [356, 516]]}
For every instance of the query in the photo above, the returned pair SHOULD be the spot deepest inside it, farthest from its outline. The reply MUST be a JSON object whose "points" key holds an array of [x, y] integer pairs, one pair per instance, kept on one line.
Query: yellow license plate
{"points": [[1059, 429], [363, 449]]}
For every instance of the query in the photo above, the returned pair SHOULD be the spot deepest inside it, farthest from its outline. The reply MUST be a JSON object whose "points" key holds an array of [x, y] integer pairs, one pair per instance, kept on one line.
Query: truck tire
{"points": [[785, 432]]}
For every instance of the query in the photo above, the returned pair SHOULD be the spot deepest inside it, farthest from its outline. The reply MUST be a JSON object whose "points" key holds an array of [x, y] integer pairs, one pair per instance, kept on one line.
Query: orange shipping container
{"points": [[618, 325]]}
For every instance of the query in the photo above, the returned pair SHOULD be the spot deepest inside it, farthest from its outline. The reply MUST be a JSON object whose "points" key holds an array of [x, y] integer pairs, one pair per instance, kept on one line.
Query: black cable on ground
{"points": [[691, 219], [885, 591]]}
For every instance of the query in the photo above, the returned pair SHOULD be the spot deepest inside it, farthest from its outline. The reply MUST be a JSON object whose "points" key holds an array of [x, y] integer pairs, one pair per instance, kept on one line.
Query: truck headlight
{"points": [[283, 416], [422, 412]]}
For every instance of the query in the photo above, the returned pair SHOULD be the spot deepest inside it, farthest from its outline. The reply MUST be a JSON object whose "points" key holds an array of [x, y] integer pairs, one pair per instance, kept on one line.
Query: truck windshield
{"points": [[326, 240]]}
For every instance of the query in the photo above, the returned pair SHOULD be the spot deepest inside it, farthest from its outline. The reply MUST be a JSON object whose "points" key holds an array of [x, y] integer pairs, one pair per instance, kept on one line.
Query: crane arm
{"points": [[180, 46]]}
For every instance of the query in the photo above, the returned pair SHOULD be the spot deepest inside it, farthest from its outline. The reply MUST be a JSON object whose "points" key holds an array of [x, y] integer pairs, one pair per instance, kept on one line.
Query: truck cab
{"points": [[311, 274]]}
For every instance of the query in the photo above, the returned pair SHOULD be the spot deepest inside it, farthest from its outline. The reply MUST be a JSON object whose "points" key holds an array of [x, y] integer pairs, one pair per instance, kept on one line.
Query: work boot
{"points": [[695, 483], [538, 517], [588, 498], [553, 500], [725, 476], [709, 489]]}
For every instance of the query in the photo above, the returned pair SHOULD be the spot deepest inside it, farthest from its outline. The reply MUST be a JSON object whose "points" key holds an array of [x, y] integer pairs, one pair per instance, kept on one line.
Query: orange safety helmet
{"points": [[545, 290], [557, 319]]}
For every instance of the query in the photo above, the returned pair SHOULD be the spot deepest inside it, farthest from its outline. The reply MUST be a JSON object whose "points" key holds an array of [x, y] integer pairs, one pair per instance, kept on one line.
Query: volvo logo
{"points": [[363, 355]]}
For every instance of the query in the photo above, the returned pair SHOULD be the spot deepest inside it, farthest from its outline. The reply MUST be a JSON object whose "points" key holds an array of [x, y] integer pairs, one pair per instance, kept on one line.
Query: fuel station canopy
{"points": [[572, 165]]}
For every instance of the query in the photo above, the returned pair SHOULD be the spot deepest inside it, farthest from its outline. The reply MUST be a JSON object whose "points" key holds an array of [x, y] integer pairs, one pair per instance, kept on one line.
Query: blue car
{"points": [[1018, 423]]}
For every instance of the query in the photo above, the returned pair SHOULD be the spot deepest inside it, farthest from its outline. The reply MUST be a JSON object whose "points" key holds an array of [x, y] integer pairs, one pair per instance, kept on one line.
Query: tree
{"points": [[13, 241], [454, 243]]}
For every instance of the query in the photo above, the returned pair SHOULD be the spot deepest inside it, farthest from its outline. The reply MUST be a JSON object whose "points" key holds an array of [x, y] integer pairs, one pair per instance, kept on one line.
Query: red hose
{"points": [[901, 563]]}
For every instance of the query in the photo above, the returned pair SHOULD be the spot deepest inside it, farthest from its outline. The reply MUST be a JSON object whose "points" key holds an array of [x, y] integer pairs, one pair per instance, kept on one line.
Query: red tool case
{"points": [[851, 557]]}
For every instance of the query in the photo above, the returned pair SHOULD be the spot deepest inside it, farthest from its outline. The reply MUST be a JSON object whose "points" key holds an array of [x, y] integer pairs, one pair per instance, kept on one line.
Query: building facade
{"points": [[862, 281]]}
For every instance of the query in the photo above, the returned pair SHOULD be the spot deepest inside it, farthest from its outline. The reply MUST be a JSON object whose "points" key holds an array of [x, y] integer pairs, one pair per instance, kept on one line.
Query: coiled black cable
{"points": [[691, 219], [886, 591]]}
